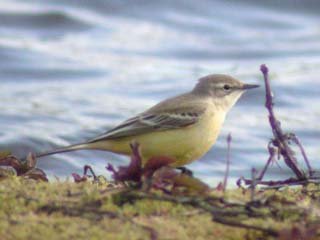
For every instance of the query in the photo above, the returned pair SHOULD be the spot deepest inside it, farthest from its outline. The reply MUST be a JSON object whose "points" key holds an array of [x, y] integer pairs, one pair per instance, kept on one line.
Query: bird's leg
{"points": [[185, 170]]}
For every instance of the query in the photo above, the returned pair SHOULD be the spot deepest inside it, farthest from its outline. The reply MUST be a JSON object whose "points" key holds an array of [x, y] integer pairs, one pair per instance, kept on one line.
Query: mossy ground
{"points": [[67, 210]]}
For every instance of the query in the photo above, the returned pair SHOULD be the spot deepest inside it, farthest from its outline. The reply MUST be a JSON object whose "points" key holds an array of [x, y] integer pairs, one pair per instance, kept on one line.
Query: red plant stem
{"points": [[297, 141], [282, 183], [272, 154], [280, 140], [253, 183], [226, 174]]}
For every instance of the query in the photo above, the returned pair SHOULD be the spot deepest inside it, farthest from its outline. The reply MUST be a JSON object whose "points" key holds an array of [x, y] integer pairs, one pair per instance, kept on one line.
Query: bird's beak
{"points": [[249, 86]]}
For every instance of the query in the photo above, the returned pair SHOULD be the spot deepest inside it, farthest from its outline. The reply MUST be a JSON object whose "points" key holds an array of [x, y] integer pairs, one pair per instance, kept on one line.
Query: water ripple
{"points": [[71, 69]]}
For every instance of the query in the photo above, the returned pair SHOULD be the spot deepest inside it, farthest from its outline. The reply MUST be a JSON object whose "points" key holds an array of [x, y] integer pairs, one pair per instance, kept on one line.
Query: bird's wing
{"points": [[153, 121]]}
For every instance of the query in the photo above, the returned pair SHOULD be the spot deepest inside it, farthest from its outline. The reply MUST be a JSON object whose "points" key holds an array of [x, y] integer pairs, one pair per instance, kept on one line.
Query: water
{"points": [[71, 69]]}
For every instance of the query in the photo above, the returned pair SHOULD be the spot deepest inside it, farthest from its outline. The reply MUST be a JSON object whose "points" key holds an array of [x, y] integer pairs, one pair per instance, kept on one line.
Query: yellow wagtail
{"points": [[183, 127]]}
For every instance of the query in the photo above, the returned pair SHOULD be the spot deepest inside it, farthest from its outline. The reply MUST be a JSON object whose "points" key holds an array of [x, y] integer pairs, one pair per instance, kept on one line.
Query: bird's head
{"points": [[223, 89]]}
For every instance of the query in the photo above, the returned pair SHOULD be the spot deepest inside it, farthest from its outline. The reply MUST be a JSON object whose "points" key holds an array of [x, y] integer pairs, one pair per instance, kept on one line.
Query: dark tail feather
{"points": [[63, 149]]}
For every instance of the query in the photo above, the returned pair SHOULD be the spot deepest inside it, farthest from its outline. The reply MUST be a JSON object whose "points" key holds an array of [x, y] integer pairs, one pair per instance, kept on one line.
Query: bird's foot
{"points": [[185, 170]]}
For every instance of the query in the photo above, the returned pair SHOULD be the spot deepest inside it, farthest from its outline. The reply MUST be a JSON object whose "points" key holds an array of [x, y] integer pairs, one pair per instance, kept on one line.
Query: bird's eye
{"points": [[226, 87]]}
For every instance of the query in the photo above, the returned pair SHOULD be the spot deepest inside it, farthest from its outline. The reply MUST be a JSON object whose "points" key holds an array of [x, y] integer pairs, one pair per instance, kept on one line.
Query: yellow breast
{"points": [[184, 144]]}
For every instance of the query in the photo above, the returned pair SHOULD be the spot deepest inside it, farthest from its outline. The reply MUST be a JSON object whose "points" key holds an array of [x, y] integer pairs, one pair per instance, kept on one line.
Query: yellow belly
{"points": [[184, 144]]}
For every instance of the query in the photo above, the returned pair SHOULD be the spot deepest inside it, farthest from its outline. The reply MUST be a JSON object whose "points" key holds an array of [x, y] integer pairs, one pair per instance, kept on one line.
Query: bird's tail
{"points": [[64, 149]]}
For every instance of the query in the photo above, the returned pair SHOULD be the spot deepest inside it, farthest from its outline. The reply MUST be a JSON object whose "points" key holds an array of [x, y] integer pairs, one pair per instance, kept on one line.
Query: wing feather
{"points": [[187, 110], [148, 122]]}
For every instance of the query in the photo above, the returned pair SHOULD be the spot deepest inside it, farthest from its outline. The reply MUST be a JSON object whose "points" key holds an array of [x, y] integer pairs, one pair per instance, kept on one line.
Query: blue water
{"points": [[71, 69]]}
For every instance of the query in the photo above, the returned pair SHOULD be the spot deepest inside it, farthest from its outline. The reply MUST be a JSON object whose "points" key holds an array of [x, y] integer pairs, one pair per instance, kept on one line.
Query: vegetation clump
{"points": [[31, 209]]}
